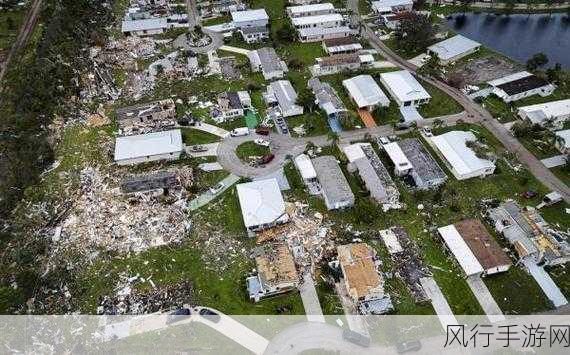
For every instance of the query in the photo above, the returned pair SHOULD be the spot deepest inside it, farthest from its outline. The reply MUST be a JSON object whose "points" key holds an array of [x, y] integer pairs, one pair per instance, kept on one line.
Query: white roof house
{"points": [[164, 145], [460, 250], [453, 48], [365, 92], [148, 26], [402, 165], [387, 6], [286, 97], [555, 111], [249, 16], [305, 167], [404, 88], [328, 20], [461, 160], [310, 10], [262, 204]]}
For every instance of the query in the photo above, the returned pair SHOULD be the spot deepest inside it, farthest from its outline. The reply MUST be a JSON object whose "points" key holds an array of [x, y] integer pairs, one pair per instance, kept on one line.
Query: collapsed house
{"points": [[281, 95], [145, 118], [520, 85], [376, 178], [415, 164], [166, 145], [276, 272], [455, 149], [408, 263], [268, 62], [231, 105], [162, 181], [474, 248], [359, 265], [529, 234], [328, 101], [262, 204], [334, 186], [253, 25]]}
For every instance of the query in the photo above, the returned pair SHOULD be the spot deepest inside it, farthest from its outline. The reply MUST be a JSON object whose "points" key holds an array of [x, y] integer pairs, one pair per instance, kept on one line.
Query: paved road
{"points": [[23, 36], [473, 110], [310, 299]]}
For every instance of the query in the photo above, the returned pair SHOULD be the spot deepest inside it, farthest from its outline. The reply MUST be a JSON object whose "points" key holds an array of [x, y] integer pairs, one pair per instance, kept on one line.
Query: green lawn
{"points": [[193, 136], [248, 149], [10, 22], [562, 173], [440, 104], [315, 123]]}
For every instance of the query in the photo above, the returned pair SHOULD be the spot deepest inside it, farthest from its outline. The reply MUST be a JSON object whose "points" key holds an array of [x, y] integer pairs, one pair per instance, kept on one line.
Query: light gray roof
{"points": [[332, 180], [261, 202], [145, 24], [404, 86], [326, 96], [317, 31], [249, 15], [365, 91], [284, 93], [268, 59], [150, 144], [453, 47]]}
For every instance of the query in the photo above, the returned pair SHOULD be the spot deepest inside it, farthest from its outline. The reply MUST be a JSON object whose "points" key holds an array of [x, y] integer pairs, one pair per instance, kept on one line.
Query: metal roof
{"points": [[453, 146], [365, 91], [261, 202], [311, 20], [305, 167], [294, 10], [284, 93], [144, 25], [460, 250], [332, 180], [404, 86], [400, 160], [453, 47], [316, 31], [249, 15], [552, 109], [565, 136], [150, 144], [424, 165]]}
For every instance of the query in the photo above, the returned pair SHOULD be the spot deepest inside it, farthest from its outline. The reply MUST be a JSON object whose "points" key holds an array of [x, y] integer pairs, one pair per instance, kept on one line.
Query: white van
{"points": [[241, 131]]}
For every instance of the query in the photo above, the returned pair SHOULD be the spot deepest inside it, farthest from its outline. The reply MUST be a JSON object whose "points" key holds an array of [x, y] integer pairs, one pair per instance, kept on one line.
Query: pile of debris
{"points": [[129, 300], [307, 236], [102, 218]]}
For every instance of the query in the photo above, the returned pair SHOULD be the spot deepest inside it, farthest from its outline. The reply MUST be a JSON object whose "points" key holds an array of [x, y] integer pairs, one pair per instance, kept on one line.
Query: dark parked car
{"points": [[178, 315], [407, 346], [198, 148], [210, 315], [267, 158], [529, 194], [356, 338], [263, 131]]}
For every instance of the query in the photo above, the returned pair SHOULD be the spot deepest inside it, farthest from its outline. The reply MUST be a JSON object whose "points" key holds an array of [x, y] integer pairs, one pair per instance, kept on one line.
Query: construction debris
{"points": [[101, 218]]}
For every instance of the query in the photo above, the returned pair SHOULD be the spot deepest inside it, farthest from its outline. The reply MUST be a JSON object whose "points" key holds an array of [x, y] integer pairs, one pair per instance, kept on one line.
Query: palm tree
{"points": [[333, 137]]}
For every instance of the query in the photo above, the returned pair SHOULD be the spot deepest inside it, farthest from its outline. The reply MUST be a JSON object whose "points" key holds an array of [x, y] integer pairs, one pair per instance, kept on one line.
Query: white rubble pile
{"points": [[102, 218]]}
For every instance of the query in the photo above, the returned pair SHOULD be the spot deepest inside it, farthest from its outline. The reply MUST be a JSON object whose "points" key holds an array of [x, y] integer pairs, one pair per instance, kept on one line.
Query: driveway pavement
{"points": [[215, 130], [207, 197], [439, 302], [546, 283], [486, 300], [311, 299], [235, 50]]}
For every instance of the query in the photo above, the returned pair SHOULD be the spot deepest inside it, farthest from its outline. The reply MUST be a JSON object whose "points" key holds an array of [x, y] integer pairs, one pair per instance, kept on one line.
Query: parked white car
{"points": [[262, 142], [217, 188]]}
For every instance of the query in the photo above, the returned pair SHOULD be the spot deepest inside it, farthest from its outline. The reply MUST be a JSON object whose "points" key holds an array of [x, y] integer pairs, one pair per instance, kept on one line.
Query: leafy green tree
{"points": [[415, 32], [306, 98], [432, 67], [536, 61], [286, 33]]}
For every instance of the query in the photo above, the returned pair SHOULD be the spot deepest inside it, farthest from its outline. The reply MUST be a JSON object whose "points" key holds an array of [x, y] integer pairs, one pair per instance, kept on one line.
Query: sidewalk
{"points": [[207, 196], [236, 50], [215, 130], [311, 300]]}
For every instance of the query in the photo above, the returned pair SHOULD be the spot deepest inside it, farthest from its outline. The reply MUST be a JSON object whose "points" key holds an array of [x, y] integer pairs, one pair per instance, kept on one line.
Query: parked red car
{"points": [[267, 158], [529, 194], [263, 131]]}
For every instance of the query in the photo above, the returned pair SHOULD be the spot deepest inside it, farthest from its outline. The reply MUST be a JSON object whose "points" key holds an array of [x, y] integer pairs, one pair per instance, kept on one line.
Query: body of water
{"points": [[519, 36]]}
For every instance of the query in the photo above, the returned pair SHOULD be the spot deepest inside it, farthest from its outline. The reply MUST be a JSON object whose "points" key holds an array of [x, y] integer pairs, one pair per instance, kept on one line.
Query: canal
{"points": [[519, 36]]}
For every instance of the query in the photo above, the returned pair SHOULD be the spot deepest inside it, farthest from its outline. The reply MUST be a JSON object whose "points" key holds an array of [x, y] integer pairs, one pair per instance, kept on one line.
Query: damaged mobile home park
{"points": [[257, 158]]}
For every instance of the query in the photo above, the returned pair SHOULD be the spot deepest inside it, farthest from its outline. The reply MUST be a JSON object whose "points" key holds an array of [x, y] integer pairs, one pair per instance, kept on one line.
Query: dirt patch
{"points": [[485, 69]]}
